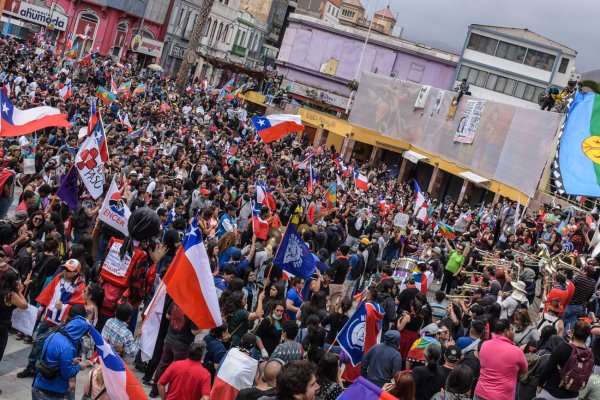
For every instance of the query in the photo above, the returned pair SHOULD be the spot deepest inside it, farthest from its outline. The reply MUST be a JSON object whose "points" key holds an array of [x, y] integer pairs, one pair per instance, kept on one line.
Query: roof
{"points": [[386, 13], [337, 3], [354, 3], [526, 34]]}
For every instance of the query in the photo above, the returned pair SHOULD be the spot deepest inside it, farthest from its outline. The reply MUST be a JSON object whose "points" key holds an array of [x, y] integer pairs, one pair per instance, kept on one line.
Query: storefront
{"points": [[148, 50], [25, 20]]}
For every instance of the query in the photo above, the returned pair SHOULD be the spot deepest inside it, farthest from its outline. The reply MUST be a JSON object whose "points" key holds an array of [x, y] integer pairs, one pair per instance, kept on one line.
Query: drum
{"points": [[403, 268]]}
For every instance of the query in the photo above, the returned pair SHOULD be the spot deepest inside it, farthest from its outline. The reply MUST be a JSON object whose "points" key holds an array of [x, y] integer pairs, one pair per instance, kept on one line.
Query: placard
{"points": [[467, 127], [113, 263], [29, 165], [24, 320], [401, 220]]}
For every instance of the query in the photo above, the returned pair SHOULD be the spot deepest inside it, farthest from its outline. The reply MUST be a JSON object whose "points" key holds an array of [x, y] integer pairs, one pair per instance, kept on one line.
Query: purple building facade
{"points": [[324, 57]]}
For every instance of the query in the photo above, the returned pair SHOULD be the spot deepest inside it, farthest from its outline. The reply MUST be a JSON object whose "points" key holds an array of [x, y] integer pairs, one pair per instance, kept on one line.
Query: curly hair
{"points": [[294, 379]]}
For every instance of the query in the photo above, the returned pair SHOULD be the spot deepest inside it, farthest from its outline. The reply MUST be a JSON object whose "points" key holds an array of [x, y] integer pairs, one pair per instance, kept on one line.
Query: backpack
{"points": [[533, 364], [577, 370], [333, 239], [371, 265], [39, 352]]}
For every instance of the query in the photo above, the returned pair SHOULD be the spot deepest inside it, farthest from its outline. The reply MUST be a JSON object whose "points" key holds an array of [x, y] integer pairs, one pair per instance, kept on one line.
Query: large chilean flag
{"points": [[16, 122], [190, 283], [274, 127]]}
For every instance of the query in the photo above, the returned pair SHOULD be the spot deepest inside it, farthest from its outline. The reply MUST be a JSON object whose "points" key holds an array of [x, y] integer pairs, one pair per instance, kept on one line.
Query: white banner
{"points": [[114, 211], [467, 127], [90, 167], [422, 96], [39, 15]]}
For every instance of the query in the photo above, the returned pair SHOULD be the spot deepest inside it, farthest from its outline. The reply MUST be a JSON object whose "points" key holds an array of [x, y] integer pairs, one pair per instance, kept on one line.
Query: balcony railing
{"points": [[238, 50]]}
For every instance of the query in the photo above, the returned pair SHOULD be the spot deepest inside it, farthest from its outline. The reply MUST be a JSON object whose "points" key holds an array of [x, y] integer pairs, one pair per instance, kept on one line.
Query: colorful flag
{"points": [[72, 51], [421, 205], [304, 163], [417, 350], [360, 181], [124, 87], [69, 42], [68, 191], [578, 153], [364, 390], [87, 60], [445, 230], [275, 126], [119, 381], [151, 325], [293, 255], [65, 92], [190, 277], [140, 89], [16, 122], [225, 89], [90, 166], [264, 196], [236, 372], [114, 211], [260, 227], [105, 95], [331, 196], [6, 88], [360, 332], [93, 119]]}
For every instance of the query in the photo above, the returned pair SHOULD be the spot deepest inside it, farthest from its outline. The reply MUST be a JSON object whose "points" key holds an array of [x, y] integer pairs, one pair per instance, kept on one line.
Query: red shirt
{"points": [[187, 379], [570, 292]]}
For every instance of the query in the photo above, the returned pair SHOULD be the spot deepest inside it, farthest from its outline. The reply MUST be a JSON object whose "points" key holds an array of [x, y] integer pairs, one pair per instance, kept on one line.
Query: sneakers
{"points": [[146, 382], [26, 373], [153, 394]]}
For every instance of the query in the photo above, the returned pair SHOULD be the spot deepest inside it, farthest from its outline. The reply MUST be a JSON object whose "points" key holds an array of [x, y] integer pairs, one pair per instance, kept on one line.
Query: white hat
{"points": [[519, 293]]}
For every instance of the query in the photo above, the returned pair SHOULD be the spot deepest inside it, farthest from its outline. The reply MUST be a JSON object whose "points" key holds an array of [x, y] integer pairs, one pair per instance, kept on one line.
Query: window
{"points": [[463, 73], [483, 44], [415, 74], [520, 89], [225, 35], [529, 92], [219, 30], [212, 31], [510, 87], [472, 75], [539, 59], [511, 52], [481, 78], [207, 27], [564, 64], [491, 82], [499, 84]]}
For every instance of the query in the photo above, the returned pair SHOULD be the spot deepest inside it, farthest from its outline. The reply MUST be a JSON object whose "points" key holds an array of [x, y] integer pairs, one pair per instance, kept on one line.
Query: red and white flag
{"points": [[260, 227], [361, 182], [264, 196], [153, 315], [17, 122], [65, 92], [304, 163], [190, 283], [114, 211], [236, 372]]}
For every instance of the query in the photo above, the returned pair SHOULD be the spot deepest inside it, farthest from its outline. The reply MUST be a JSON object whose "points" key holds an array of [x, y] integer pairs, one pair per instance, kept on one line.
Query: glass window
{"points": [[502, 48], [474, 41], [510, 86], [481, 77], [539, 59], [564, 64], [472, 75], [482, 44], [529, 92], [491, 82], [520, 90], [500, 84], [538, 92], [463, 73]]}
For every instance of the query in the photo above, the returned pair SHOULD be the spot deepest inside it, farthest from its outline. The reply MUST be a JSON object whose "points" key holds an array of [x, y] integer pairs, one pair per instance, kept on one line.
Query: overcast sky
{"points": [[444, 23]]}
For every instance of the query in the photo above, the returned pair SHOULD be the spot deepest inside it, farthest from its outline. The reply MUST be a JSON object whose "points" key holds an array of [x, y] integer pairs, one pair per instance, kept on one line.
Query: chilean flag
{"points": [[100, 136], [259, 225], [65, 92], [119, 381], [190, 277], [16, 122], [304, 163], [361, 181], [421, 206], [236, 372], [93, 115], [264, 196], [274, 127], [311, 179]]}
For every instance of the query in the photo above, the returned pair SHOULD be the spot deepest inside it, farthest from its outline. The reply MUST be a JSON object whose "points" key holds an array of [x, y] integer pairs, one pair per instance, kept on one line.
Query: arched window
{"points": [[87, 24], [219, 31], [207, 27]]}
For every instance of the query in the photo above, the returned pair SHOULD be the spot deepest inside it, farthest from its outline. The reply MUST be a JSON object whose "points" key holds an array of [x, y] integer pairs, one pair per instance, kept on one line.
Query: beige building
{"points": [[384, 21], [352, 13]]}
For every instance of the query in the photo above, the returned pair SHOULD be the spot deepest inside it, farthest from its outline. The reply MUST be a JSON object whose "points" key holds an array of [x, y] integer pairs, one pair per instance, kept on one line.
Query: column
{"points": [[349, 148], [375, 153], [496, 198], [405, 169], [436, 181], [465, 191], [318, 136]]}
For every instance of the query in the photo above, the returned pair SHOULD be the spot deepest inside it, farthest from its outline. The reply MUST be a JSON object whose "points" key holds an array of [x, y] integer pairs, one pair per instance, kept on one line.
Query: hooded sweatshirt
{"points": [[59, 351], [383, 360]]}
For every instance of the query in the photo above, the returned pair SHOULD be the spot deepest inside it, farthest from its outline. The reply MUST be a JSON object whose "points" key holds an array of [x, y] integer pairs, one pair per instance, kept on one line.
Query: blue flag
{"points": [[351, 337], [68, 191], [294, 256]]}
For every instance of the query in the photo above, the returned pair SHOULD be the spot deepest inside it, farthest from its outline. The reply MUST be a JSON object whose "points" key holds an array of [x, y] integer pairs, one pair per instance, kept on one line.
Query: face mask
{"points": [[277, 317]]}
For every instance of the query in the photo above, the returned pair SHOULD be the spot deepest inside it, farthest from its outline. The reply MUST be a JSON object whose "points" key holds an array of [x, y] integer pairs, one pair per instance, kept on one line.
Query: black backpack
{"points": [[333, 239]]}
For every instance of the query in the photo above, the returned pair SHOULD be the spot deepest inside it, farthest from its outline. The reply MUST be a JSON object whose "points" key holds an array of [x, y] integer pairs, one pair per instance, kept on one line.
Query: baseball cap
{"points": [[431, 329], [453, 353], [72, 265], [365, 241], [19, 217]]}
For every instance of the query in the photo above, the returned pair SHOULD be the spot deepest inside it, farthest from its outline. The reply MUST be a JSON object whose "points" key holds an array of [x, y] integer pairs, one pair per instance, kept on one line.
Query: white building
{"points": [[513, 65]]}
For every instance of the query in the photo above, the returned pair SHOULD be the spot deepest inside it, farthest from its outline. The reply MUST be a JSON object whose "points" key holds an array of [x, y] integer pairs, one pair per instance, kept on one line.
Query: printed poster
{"points": [[467, 127], [422, 96]]}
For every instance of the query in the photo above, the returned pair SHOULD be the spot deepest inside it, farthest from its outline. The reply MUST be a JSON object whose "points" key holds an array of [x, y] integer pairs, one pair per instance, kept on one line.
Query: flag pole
{"points": [[145, 313]]}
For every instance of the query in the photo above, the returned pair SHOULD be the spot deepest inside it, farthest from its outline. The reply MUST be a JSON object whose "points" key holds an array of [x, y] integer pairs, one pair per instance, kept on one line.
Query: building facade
{"points": [[179, 31], [320, 57], [513, 65]]}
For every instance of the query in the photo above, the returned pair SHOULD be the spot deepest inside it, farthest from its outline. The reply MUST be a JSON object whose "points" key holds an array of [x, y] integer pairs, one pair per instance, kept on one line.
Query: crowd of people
{"points": [[467, 311]]}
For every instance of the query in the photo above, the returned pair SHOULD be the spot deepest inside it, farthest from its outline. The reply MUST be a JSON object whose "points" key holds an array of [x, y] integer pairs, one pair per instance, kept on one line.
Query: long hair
{"points": [[9, 284], [404, 387]]}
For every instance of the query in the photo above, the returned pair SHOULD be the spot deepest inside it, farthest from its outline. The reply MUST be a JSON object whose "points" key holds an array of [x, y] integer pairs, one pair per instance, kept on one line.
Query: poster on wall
{"points": [[467, 126], [422, 96], [438, 101]]}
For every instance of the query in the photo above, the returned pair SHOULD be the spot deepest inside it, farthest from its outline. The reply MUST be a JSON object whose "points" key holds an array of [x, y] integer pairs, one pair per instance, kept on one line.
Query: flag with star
{"points": [[276, 126], [190, 283], [17, 122], [118, 379]]}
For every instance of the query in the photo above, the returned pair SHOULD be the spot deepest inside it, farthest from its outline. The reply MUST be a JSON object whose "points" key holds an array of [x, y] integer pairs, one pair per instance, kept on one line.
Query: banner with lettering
{"points": [[467, 126]]}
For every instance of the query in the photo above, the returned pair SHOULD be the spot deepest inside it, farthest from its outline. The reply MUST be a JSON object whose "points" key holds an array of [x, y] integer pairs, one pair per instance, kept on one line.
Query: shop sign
{"points": [[316, 94], [38, 15], [177, 51], [147, 46]]}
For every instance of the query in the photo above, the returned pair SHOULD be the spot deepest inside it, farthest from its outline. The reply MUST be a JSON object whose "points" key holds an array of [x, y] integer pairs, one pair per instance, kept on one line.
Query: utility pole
{"points": [[191, 52]]}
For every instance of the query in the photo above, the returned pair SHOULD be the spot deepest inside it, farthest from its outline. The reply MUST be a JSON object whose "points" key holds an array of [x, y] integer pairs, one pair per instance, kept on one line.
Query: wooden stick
{"points": [[331, 345]]}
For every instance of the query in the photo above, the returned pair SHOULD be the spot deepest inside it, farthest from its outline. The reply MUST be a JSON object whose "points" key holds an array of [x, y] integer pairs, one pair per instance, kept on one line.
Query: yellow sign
{"points": [[332, 124]]}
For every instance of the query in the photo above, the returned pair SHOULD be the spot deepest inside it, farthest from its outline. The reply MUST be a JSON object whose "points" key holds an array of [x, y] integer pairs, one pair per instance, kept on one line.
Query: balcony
{"points": [[238, 50]]}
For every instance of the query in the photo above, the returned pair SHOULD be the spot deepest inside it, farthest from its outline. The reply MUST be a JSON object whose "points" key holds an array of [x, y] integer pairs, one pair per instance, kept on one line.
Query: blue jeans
{"points": [[572, 311], [36, 394]]}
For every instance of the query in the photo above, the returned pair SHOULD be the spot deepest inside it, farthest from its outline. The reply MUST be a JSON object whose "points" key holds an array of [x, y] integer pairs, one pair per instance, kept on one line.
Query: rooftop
{"points": [[355, 3], [526, 34], [386, 12]]}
